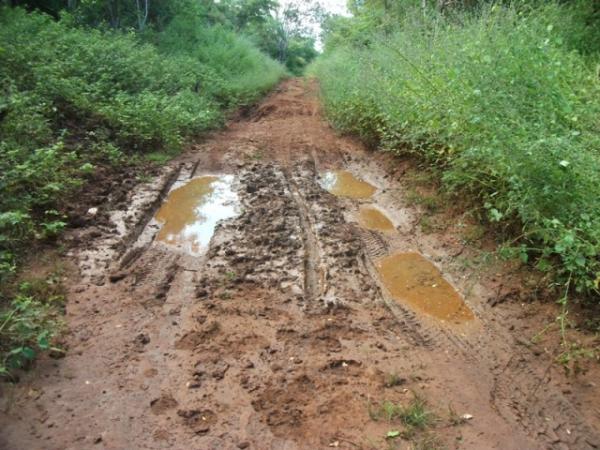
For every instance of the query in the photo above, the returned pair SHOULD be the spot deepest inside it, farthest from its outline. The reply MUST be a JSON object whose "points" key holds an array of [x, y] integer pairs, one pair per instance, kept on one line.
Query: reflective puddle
{"points": [[344, 184], [373, 219], [411, 278], [190, 213]]}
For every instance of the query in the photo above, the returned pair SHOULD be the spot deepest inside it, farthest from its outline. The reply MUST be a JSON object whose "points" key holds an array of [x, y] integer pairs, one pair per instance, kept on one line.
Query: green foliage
{"points": [[227, 68], [414, 415], [28, 325], [501, 102]]}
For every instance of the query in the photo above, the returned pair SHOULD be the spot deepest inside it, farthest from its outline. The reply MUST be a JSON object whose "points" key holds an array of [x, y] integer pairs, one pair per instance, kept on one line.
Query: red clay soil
{"points": [[282, 334]]}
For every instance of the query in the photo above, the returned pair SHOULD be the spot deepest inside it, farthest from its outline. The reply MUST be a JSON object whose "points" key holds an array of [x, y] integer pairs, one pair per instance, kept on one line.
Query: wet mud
{"points": [[242, 299]]}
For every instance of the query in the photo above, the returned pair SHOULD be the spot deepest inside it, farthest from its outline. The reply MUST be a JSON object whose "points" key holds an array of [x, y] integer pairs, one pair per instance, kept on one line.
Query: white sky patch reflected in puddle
{"points": [[191, 213]]}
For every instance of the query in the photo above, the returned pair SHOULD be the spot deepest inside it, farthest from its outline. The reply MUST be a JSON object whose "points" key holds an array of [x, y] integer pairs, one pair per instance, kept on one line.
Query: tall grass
{"points": [[499, 101]]}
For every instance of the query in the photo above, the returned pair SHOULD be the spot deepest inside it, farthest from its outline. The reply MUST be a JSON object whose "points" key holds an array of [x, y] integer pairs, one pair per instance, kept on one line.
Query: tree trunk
{"points": [[113, 13], [142, 14]]}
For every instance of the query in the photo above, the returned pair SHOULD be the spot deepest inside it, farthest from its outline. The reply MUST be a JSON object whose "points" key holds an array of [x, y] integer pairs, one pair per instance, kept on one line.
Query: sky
{"points": [[335, 6], [332, 6]]}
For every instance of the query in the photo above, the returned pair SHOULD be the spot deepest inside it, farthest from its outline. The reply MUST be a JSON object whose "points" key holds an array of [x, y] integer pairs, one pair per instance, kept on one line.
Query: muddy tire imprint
{"points": [[313, 269]]}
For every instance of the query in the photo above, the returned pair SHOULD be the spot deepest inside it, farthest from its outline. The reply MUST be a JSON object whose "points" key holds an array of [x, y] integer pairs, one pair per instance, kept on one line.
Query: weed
{"points": [[429, 202], [414, 415], [428, 442], [417, 414], [230, 275], [454, 418], [393, 379], [473, 233], [144, 177], [29, 323], [225, 295], [430, 224], [158, 157]]}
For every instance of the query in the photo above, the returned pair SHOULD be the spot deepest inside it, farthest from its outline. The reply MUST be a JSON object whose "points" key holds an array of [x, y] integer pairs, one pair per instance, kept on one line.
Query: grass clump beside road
{"points": [[505, 101], [75, 96], [416, 414]]}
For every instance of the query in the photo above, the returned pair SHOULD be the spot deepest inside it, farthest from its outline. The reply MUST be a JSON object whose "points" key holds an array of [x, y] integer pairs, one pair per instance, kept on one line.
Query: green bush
{"points": [[498, 100], [27, 327]]}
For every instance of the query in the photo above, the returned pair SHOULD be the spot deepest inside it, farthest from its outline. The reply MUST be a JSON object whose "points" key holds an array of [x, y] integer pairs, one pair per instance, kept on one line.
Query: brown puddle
{"points": [[411, 278], [373, 219], [190, 213], [344, 184]]}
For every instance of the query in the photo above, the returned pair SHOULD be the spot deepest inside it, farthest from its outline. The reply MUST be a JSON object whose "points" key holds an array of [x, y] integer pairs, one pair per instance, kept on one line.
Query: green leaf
{"points": [[42, 341], [392, 434], [495, 215]]}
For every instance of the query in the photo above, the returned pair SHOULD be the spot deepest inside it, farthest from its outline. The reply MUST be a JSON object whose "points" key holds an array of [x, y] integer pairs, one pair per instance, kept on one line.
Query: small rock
{"points": [[244, 444], [92, 212], [202, 429], [142, 339]]}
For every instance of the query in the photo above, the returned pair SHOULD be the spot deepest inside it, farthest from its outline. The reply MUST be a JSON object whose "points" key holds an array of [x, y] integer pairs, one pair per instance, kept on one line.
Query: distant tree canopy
{"points": [[279, 32]]}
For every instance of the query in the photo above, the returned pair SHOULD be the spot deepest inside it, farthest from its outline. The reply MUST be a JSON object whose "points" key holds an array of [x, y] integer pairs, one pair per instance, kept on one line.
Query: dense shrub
{"points": [[500, 100]]}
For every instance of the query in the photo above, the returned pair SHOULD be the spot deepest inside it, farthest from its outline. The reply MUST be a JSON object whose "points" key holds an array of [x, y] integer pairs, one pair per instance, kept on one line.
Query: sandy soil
{"points": [[282, 335]]}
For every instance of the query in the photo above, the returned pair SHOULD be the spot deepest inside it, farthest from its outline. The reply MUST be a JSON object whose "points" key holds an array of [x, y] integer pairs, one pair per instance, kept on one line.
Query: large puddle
{"points": [[190, 213], [344, 184], [371, 218], [411, 278]]}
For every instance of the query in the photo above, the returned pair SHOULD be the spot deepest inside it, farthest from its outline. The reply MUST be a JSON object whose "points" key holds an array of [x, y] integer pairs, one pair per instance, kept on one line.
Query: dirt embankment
{"points": [[283, 331]]}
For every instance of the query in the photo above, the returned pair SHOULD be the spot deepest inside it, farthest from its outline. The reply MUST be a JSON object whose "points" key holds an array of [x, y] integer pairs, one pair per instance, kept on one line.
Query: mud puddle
{"points": [[411, 278], [191, 213], [344, 184], [372, 218]]}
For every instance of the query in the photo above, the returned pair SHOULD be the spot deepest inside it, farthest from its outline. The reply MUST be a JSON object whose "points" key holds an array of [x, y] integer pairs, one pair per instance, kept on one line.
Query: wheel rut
{"points": [[314, 272]]}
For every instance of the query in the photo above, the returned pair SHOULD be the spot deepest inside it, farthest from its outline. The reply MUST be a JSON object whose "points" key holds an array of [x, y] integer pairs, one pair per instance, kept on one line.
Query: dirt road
{"points": [[317, 299]]}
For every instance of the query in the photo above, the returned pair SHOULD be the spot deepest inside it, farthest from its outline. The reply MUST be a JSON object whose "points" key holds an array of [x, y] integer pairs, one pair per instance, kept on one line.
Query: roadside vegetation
{"points": [[90, 84], [502, 97]]}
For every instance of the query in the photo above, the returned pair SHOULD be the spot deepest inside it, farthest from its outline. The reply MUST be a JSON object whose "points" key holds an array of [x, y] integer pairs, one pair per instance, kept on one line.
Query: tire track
{"points": [[314, 272]]}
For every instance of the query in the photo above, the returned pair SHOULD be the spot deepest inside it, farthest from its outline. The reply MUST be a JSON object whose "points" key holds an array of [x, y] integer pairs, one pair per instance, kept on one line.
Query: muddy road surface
{"points": [[272, 289]]}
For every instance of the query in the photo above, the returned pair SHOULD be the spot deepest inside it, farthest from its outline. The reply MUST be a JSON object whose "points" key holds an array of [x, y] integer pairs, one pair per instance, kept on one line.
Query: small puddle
{"points": [[190, 213], [373, 219], [411, 278], [344, 184]]}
